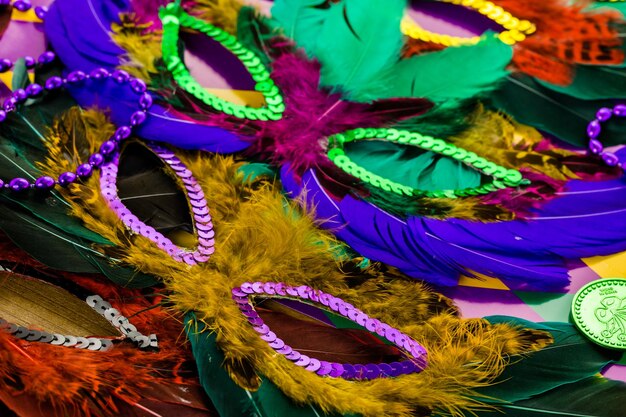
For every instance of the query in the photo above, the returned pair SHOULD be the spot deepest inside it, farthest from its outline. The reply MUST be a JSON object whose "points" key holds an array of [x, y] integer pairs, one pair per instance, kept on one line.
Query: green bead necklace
{"points": [[173, 17], [502, 177]]}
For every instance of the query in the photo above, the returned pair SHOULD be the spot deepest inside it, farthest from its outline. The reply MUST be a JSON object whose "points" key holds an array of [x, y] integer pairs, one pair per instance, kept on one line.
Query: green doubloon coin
{"points": [[599, 311]]}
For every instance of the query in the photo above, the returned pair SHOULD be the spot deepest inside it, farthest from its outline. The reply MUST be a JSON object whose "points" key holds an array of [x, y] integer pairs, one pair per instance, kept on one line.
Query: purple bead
{"points": [[20, 95], [595, 146], [33, 90], [108, 147], [19, 184], [2, 183], [620, 110], [610, 159], [145, 101], [46, 58], [44, 183], [41, 12], [53, 83], [604, 114], [9, 104], [96, 159], [594, 129], [120, 76], [99, 73], [138, 85], [137, 118], [22, 5], [3, 116], [66, 179], [122, 133], [30, 62], [84, 170], [5, 65], [76, 76]]}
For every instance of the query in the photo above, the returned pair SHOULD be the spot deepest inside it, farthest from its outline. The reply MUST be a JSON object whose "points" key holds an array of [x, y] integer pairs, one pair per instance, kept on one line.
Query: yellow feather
{"points": [[503, 141], [260, 236], [143, 45]]}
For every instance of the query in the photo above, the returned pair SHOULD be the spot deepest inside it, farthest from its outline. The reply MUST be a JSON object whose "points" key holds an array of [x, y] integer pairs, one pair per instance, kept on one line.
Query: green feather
{"points": [[253, 30], [301, 20], [412, 166], [357, 46], [563, 116], [40, 224], [616, 5], [228, 398], [590, 397], [594, 83], [571, 358], [456, 73], [20, 75]]}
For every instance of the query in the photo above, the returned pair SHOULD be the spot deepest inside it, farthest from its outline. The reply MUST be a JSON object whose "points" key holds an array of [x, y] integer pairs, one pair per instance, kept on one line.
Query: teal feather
{"points": [[571, 358], [594, 82], [228, 398], [590, 397], [40, 224], [456, 73], [358, 47], [412, 166], [563, 116], [253, 31], [301, 20]]}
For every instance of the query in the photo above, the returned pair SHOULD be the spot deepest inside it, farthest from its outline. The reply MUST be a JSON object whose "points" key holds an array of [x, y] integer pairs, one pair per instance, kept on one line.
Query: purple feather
{"points": [[587, 219], [79, 32]]}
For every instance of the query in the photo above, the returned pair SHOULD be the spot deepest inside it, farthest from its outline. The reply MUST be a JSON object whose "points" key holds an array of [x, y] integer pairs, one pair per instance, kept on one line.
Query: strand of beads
{"points": [[107, 149], [24, 6], [594, 128], [46, 57]]}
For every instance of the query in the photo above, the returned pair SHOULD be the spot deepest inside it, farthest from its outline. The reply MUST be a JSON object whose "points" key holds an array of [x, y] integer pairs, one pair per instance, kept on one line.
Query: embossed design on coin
{"points": [[599, 311]]}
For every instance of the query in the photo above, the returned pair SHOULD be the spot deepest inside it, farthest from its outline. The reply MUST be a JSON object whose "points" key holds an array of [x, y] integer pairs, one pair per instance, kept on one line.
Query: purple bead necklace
{"points": [[594, 128], [24, 6], [107, 149]]}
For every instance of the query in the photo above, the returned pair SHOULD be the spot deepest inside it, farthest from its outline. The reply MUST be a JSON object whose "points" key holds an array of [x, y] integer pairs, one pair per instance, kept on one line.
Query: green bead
{"points": [[480, 163], [392, 134], [449, 150], [276, 100], [404, 137], [490, 168], [459, 154], [427, 142], [251, 113], [438, 145], [358, 133], [513, 176]]}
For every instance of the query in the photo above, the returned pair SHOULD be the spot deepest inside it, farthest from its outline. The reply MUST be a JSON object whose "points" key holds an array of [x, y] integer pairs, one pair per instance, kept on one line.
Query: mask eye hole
{"points": [[486, 16], [385, 158], [326, 335], [173, 18], [157, 196]]}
